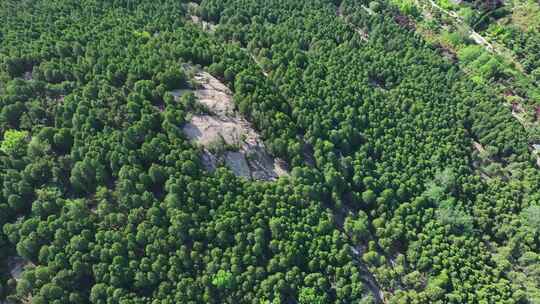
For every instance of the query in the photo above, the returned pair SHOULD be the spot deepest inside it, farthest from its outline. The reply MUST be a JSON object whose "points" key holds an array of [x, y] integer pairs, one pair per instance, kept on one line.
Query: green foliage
{"points": [[456, 39], [309, 296], [110, 203], [532, 216], [408, 7], [223, 279], [358, 227], [142, 34], [368, 197], [437, 286], [14, 142], [536, 74], [87, 175], [375, 6], [470, 53], [459, 221], [446, 4], [469, 15], [172, 78]]}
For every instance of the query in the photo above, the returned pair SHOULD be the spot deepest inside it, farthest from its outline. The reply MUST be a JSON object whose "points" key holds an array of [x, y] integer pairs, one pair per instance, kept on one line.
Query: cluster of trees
{"points": [[353, 101], [108, 202], [525, 46], [513, 24]]}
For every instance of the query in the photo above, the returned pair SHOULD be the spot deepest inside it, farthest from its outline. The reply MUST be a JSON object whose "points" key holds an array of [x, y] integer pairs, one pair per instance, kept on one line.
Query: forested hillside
{"points": [[408, 166]]}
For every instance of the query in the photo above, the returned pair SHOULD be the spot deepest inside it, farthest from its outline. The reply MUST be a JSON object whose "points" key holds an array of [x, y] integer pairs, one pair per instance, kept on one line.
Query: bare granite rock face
{"points": [[226, 137]]}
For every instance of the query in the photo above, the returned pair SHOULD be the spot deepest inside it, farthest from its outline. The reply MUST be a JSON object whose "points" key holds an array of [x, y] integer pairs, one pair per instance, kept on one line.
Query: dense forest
{"points": [[410, 152]]}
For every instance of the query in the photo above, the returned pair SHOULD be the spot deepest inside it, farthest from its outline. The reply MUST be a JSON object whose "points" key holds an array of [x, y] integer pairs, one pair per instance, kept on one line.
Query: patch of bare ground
{"points": [[16, 266], [478, 146], [28, 76], [193, 7], [519, 113], [225, 136], [207, 26]]}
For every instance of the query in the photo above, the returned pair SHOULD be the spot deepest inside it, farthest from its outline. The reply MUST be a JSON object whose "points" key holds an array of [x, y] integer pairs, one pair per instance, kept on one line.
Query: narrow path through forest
{"points": [[478, 39], [490, 46], [357, 251]]}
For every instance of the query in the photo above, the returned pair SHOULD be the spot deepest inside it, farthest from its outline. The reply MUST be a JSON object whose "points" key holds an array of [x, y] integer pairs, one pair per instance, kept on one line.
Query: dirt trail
{"points": [[475, 36], [490, 46], [368, 277], [357, 251], [368, 10], [225, 136], [257, 62]]}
